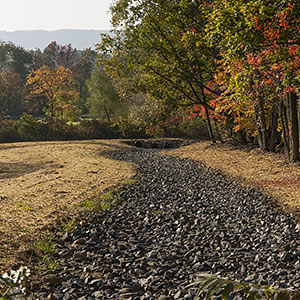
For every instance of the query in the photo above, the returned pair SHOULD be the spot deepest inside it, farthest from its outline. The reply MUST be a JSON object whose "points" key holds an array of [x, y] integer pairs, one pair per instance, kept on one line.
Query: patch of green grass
{"points": [[107, 199], [46, 249], [68, 225], [130, 181], [101, 206], [27, 206], [85, 204], [49, 262], [46, 246], [110, 195]]}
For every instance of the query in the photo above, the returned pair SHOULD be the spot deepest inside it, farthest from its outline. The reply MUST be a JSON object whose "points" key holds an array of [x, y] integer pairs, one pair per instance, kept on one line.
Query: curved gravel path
{"points": [[179, 220]]}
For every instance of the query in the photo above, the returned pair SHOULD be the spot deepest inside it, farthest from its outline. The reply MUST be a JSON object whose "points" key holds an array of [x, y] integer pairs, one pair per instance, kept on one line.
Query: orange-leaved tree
{"points": [[56, 85]]}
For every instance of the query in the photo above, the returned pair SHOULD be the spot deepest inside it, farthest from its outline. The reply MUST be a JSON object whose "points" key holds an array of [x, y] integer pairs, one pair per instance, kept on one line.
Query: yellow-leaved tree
{"points": [[56, 86]]}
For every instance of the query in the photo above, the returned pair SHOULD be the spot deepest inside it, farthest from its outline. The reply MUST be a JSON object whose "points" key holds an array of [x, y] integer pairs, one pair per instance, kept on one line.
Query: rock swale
{"points": [[178, 221]]}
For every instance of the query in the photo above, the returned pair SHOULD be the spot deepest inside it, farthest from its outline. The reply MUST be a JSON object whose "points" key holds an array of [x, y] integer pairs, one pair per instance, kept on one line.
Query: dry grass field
{"points": [[41, 183], [269, 172]]}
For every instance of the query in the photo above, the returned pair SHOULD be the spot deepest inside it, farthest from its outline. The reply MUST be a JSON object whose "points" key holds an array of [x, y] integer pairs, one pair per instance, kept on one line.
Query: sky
{"points": [[54, 14]]}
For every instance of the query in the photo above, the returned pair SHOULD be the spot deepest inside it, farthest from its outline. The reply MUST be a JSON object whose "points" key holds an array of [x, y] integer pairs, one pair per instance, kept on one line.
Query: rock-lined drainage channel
{"points": [[179, 220]]}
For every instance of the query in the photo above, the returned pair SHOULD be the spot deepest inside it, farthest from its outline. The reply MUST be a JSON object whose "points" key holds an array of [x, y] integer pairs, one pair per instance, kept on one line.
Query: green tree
{"points": [[11, 94], [15, 58], [82, 71], [104, 100], [164, 42], [21, 61]]}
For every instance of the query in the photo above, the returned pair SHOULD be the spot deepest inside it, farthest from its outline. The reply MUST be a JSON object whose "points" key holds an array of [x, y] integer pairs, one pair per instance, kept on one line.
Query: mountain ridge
{"points": [[39, 39]]}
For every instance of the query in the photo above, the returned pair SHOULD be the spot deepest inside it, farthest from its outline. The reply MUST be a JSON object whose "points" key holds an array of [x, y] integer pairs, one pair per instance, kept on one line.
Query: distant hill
{"points": [[33, 39]]}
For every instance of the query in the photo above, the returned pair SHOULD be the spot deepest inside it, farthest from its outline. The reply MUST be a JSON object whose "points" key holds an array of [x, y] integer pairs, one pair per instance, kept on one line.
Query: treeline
{"points": [[233, 63], [63, 93]]}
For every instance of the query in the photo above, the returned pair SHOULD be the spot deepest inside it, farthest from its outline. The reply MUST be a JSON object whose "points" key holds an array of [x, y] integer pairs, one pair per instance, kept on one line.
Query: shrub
{"points": [[130, 129], [9, 131], [93, 129], [192, 129], [30, 129]]}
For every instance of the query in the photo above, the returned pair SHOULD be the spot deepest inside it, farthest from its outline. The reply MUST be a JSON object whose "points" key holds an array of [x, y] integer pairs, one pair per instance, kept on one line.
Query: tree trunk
{"points": [[209, 127], [210, 131], [261, 124], [299, 117], [285, 128], [294, 130], [242, 137], [107, 114], [219, 137], [273, 128]]}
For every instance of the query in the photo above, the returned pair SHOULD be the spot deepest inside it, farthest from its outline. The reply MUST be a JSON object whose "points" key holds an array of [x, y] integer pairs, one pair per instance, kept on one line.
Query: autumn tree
{"points": [[164, 43], [259, 44], [55, 55], [56, 86]]}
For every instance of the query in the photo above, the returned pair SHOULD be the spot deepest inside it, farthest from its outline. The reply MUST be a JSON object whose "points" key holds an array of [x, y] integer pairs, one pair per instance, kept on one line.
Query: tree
{"points": [[82, 71], [259, 43], [55, 55], [14, 58], [164, 42], [57, 87], [11, 94], [104, 100], [21, 61]]}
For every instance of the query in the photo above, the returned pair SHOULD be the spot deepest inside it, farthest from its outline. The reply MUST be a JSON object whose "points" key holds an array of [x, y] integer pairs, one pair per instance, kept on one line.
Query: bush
{"points": [[96, 129], [129, 129], [191, 129], [9, 131], [30, 129]]}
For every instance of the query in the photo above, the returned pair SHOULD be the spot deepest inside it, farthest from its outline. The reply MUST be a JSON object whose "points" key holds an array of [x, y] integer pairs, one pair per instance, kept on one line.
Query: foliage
{"points": [[235, 61], [30, 128], [82, 71], [13, 284], [14, 59], [56, 86], [11, 94], [9, 131], [46, 248], [104, 101], [94, 128], [55, 55], [159, 47], [211, 284]]}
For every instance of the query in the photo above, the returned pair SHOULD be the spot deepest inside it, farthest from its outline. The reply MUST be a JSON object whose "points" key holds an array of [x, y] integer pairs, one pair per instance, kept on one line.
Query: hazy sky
{"points": [[54, 14]]}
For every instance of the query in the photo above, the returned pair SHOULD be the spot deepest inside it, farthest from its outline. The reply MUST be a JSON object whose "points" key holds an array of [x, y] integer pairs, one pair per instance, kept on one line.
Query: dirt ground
{"points": [[269, 172], [41, 182]]}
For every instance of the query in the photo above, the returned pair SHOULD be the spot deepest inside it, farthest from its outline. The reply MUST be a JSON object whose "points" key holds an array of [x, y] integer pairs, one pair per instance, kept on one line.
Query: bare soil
{"points": [[269, 172], [40, 185]]}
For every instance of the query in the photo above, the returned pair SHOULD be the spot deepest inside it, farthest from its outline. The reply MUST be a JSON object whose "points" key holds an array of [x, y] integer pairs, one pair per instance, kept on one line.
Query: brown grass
{"points": [[41, 182], [269, 172]]}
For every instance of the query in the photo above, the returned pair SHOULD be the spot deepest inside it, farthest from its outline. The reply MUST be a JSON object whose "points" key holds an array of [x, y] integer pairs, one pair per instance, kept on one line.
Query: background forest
{"points": [[178, 68]]}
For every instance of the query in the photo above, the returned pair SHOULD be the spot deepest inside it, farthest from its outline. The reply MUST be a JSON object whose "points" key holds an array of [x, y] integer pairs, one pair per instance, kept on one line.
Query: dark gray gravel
{"points": [[179, 220]]}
